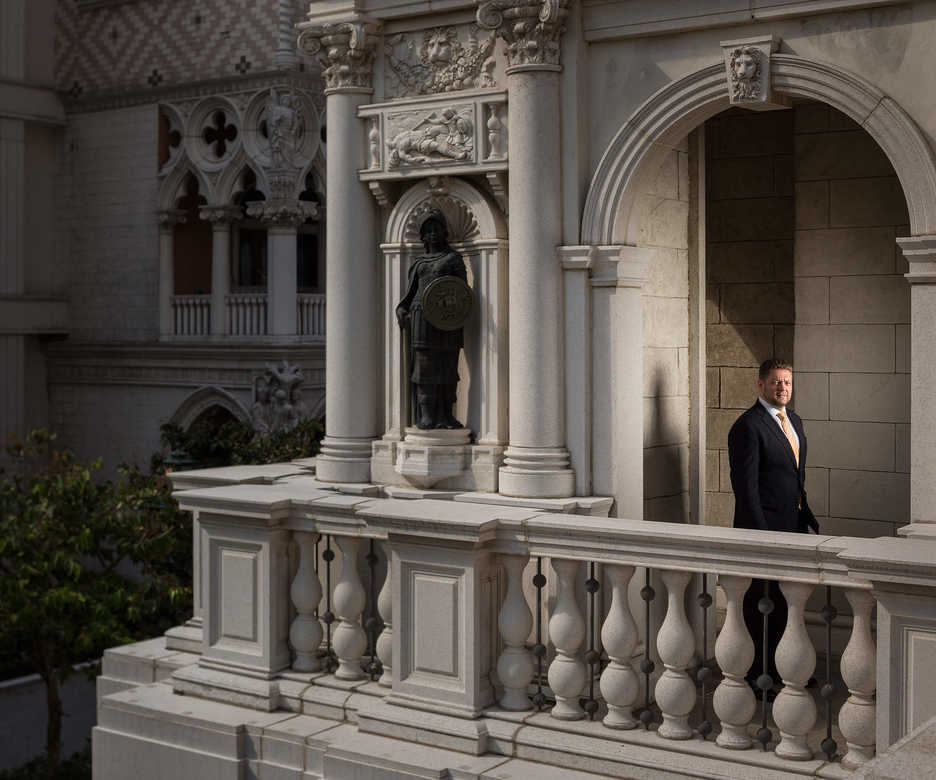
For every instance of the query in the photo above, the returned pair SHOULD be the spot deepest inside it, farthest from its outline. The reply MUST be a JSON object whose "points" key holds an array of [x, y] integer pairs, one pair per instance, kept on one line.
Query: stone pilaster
{"points": [[220, 218], [537, 461], [168, 219], [282, 217], [345, 50], [920, 252]]}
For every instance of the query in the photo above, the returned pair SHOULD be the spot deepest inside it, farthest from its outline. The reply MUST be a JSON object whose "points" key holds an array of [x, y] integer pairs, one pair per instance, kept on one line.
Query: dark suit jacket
{"points": [[770, 492]]}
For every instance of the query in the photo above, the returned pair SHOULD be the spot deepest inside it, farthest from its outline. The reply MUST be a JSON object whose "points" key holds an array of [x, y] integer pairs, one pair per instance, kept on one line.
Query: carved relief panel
{"points": [[435, 134]]}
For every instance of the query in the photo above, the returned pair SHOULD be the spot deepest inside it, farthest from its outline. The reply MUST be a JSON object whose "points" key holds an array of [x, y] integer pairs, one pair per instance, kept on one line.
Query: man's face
{"points": [[777, 388]]}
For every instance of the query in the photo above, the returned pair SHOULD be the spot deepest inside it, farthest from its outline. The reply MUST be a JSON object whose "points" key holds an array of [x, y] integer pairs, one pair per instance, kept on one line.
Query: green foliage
{"points": [[207, 444], [85, 564], [78, 767]]}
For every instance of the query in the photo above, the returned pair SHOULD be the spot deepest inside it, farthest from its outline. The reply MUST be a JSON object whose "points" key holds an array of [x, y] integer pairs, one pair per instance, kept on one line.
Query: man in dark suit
{"points": [[767, 453]]}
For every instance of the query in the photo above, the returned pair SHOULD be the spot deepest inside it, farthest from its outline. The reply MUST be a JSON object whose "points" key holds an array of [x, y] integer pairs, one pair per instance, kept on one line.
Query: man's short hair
{"points": [[772, 364]]}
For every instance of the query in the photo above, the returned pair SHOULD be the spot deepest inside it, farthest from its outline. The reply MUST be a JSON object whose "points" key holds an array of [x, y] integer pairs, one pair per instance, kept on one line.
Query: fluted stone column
{"points": [[920, 252], [168, 219], [536, 460], [220, 218], [345, 50]]}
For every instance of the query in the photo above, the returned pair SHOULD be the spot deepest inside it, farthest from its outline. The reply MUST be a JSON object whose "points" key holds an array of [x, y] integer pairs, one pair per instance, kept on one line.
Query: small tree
{"points": [[64, 596]]}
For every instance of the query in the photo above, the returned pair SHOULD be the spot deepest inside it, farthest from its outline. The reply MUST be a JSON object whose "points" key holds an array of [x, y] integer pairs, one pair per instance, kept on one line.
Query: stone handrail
{"points": [[447, 561]]}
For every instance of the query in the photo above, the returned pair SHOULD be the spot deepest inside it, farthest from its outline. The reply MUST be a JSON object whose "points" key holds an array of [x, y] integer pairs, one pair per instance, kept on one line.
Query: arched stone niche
{"points": [[202, 400], [611, 224], [478, 230]]}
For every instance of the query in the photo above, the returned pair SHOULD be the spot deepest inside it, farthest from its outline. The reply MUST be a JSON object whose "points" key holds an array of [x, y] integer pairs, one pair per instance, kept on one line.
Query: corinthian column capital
{"points": [[531, 28], [344, 49]]}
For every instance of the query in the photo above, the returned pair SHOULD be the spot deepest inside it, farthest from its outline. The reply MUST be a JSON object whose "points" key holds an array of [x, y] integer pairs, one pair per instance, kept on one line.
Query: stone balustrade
{"points": [[311, 314], [450, 622], [247, 314], [191, 315]]}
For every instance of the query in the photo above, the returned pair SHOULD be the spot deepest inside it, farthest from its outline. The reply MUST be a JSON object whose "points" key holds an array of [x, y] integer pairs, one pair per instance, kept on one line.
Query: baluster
{"points": [[515, 665], [567, 630], [305, 633], [856, 718], [734, 700], [619, 683], [794, 710], [675, 691], [349, 640], [385, 608]]}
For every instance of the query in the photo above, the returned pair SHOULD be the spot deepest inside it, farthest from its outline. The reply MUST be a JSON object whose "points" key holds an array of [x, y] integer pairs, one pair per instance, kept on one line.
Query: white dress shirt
{"points": [[774, 411]]}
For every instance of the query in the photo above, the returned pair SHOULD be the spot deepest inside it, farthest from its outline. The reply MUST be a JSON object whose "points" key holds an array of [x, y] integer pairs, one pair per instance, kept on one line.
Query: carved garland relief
{"points": [[439, 61]]}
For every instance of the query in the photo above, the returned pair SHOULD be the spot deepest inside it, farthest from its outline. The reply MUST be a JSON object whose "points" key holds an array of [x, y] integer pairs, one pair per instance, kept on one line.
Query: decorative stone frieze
{"points": [[440, 59], [345, 50], [220, 214], [436, 134], [747, 65], [282, 211], [531, 29]]}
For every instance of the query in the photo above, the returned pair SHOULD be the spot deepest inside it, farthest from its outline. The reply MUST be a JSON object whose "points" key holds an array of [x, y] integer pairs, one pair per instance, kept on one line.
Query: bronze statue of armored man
{"points": [[438, 300]]}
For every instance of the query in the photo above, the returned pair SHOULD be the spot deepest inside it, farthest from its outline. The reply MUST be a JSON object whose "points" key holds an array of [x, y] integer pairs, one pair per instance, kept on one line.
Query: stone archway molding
{"points": [[668, 115], [204, 398]]}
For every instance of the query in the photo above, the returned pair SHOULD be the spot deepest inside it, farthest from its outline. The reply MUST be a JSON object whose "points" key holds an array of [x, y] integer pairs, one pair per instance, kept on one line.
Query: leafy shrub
{"points": [[85, 564]]}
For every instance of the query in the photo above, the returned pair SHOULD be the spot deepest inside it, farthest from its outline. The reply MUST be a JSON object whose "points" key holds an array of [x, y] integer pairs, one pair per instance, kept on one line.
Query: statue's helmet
{"points": [[434, 215]]}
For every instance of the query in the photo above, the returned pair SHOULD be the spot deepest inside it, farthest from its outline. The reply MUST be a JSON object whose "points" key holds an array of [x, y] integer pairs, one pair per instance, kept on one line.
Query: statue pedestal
{"points": [[427, 457]]}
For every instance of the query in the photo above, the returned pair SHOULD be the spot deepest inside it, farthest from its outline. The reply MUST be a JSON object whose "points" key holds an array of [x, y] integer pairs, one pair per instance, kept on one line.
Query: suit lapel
{"points": [[767, 420]]}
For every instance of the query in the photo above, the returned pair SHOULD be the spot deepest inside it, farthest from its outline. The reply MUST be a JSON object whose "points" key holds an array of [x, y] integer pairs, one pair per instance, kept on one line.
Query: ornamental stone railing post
{"points": [[345, 50], [619, 683], [794, 710], [220, 218], [733, 700], [168, 219], [515, 665], [536, 460]]}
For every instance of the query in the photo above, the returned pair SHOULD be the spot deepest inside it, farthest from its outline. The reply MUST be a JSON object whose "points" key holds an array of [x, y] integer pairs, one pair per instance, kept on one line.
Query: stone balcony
{"points": [[362, 631]]}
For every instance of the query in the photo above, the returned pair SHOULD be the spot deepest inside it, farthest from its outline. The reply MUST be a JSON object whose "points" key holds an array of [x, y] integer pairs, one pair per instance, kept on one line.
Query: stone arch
{"points": [[171, 186], [672, 112], [461, 203], [478, 230], [229, 181], [203, 399]]}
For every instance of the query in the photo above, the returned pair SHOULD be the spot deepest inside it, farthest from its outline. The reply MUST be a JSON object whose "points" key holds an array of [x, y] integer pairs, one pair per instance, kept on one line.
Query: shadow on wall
{"points": [[666, 475]]}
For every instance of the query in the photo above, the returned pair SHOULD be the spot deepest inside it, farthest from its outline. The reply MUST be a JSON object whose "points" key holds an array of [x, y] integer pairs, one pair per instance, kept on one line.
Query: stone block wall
{"points": [[749, 271], [803, 210], [663, 215], [852, 339], [114, 247]]}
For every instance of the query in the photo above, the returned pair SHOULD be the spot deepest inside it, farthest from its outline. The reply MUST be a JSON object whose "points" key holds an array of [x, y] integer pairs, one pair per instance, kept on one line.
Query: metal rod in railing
{"points": [[372, 623], [647, 593], [331, 661], [764, 681], [590, 704], [705, 601], [829, 613], [539, 649]]}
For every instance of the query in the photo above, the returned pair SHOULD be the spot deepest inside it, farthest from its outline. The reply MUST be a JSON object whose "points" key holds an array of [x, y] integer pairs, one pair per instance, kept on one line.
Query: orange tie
{"points": [[788, 432]]}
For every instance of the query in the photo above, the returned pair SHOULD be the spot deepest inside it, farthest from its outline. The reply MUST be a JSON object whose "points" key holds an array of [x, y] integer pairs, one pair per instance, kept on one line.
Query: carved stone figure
{"points": [[278, 404], [745, 73], [434, 352], [283, 126], [442, 63], [445, 135]]}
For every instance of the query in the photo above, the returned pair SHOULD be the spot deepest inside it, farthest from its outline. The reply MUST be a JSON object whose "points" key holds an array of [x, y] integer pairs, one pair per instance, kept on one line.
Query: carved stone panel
{"points": [[435, 134], [440, 59]]}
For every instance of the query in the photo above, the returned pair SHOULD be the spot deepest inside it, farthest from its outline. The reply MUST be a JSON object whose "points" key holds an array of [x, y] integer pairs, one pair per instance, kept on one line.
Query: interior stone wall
{"points": [[852, 348], [803, 209], [663, 214]]}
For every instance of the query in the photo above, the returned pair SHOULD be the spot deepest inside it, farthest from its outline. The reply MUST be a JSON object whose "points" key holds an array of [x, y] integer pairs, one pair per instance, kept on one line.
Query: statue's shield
{"points": [[447, 302]]}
